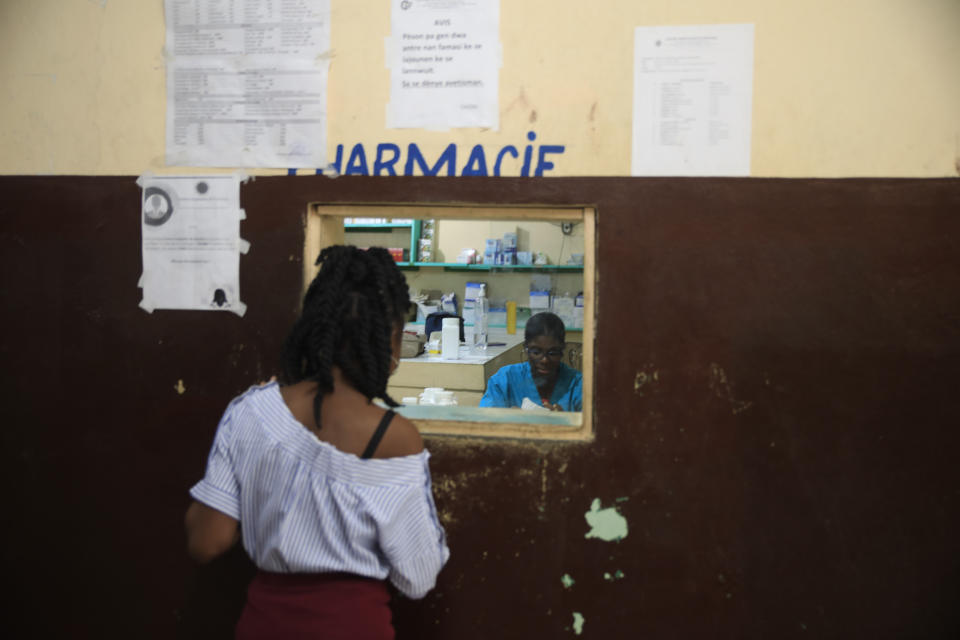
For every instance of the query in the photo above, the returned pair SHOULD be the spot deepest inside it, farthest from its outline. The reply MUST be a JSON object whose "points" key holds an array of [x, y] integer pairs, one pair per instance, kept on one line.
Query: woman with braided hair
{"points": [[332, 492]]}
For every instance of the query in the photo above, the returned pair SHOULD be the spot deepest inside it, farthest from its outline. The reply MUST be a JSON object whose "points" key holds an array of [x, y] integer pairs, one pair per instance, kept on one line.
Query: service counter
{"points": [[466, 376]]}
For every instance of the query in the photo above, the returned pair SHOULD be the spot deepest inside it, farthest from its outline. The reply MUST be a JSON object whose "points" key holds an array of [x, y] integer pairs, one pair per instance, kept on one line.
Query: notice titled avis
{"points": [[692, 95], [444, 60]]}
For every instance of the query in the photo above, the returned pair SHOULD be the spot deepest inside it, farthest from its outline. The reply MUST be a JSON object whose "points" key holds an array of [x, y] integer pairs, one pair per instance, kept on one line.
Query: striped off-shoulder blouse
{"points": [[304, 506]]}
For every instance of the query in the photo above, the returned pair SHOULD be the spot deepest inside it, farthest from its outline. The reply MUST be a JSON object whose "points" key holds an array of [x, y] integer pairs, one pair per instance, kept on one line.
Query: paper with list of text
{"points": [[247, 83], [693, 91]]}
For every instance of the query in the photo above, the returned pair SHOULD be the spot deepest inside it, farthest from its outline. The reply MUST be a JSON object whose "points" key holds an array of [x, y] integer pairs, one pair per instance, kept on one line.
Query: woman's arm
{"points": [[210, 533], [414, 543]]}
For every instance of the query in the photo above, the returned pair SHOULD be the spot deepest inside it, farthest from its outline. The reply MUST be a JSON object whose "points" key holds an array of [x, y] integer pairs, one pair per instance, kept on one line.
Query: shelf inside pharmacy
{"points": [[377, 226], [456, 266], [413, 230], [410, 229]]}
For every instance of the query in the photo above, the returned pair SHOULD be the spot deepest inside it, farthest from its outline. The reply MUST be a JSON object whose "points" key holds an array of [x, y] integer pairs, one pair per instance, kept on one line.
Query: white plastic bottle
{"points": [[481, 314], [450, 337]]}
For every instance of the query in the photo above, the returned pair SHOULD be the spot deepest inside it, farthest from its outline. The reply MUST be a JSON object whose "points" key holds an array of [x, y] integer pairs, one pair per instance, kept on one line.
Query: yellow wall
{"points": [[851, 88], [452, 236]]}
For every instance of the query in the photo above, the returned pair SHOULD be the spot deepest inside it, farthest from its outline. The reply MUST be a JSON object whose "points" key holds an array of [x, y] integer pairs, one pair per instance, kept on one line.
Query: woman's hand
{"points": [[552, 407]]}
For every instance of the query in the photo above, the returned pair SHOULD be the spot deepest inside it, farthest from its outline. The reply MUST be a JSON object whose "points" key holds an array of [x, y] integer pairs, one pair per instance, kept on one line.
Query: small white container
{"points": [[429, 394], [445, 398], [450, 349], [540, 300]]}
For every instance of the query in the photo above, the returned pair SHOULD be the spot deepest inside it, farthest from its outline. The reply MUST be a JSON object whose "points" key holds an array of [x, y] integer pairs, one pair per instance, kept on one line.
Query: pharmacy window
{"points": [[502, 293]]}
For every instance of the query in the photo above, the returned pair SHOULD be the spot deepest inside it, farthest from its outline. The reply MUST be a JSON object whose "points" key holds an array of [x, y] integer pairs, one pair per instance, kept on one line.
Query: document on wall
{"points": [[444, 59], [247, 83], [191, 245], [692, 96]]}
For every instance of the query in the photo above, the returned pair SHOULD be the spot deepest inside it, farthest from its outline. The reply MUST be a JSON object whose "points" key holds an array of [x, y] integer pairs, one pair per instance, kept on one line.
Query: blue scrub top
{"points": [[514, 382]]}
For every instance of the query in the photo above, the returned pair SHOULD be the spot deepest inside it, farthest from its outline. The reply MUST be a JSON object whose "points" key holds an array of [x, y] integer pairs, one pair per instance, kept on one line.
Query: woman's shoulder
{"points": [[249, 403], [257, 395], [401, 439], [570, 374], [518, 369]]}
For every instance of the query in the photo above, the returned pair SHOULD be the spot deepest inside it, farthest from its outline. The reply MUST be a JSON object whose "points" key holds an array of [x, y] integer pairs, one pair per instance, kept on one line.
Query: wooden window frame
{"points": [[324, 227]]}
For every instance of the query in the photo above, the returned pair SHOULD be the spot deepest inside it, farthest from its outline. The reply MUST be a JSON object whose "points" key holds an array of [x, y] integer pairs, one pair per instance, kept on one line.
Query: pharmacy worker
{"points": [[544, 380]]}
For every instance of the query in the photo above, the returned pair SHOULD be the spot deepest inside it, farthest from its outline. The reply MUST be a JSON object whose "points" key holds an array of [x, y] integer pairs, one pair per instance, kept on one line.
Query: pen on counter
{"points": [[496, 344]]}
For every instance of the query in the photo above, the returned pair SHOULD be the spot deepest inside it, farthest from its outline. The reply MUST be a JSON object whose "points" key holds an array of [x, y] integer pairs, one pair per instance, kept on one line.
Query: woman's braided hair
{"points": [[350, 312]]}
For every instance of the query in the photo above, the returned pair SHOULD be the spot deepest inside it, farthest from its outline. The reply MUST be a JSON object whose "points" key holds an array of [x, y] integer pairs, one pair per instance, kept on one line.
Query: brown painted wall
{"points": [[777, 416]]}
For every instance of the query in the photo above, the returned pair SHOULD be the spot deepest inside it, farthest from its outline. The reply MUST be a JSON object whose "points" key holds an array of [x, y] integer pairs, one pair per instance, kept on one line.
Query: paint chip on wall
{"points": [[578, 621], [606, 524]]}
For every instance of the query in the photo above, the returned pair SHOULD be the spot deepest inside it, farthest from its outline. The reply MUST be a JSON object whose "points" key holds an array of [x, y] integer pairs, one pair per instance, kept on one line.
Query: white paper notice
{"points": [[692, 96], [247, 83], [444, 60], [191, 243]]}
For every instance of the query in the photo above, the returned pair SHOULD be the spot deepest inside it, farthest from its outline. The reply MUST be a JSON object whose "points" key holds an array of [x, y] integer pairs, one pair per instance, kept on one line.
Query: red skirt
{"points": [[328, 606]]}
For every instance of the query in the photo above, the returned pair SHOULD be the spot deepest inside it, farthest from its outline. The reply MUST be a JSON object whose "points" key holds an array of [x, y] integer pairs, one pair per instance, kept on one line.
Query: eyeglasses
{"points": [[553, 354]]}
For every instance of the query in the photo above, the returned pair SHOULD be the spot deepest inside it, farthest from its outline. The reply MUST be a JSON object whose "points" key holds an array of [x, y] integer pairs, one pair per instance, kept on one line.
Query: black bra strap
{"points": [[378, 434]]}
